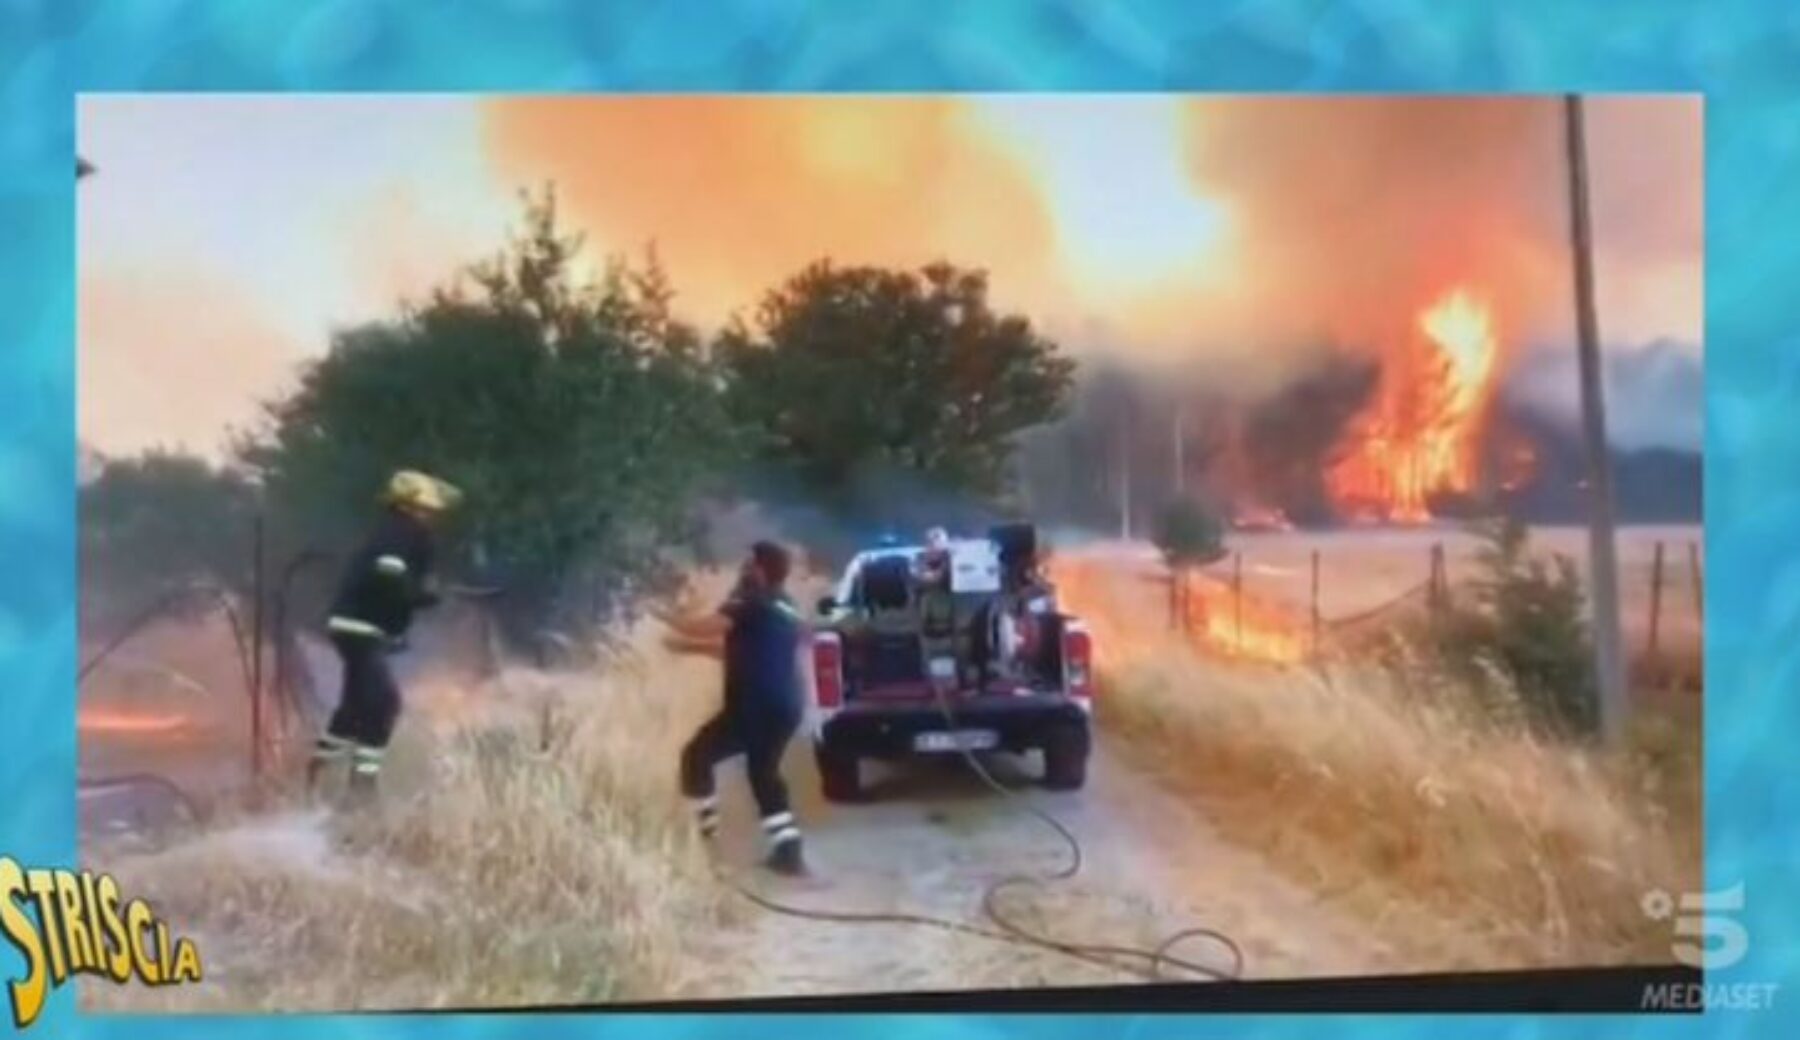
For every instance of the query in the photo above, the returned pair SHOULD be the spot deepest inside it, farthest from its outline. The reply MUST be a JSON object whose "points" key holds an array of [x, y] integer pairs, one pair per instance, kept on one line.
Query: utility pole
{"points": [[256, 648], [1125, 481], [1180, 454], [1603, 562]]}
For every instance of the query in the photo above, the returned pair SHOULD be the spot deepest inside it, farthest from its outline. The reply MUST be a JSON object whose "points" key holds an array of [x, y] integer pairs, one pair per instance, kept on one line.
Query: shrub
{"points": [[1524, 626], [1189, 534]]}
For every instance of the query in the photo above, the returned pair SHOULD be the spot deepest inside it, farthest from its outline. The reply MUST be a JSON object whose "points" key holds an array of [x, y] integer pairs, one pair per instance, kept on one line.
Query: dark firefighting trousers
{"points": [[367, 708], [761, 735]]}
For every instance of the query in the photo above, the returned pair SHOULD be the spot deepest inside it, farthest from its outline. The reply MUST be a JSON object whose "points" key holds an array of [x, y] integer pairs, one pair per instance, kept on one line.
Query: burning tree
{"points": [[1421, 437], [1294, 438]]}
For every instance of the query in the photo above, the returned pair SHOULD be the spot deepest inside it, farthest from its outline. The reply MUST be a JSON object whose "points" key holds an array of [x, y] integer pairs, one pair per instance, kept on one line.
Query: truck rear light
{"points": [[1078, 662], [828, 670]]}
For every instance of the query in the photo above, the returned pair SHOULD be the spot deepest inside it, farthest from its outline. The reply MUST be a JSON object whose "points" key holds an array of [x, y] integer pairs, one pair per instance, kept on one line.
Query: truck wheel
{"points": [[840, 775], [1065, 759]]}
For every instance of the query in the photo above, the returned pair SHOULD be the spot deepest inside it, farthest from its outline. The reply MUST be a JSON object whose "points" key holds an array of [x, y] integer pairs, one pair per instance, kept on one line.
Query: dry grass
{"points": [[498, 872], [533, 850], [1462, 843], [542, 856]]}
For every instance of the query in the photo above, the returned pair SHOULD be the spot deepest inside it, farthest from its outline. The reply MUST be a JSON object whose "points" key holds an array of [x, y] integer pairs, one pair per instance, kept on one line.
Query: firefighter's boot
{"points": [[784, 845], [365, 775], [315, 769], [706, 817], [327, 751]]}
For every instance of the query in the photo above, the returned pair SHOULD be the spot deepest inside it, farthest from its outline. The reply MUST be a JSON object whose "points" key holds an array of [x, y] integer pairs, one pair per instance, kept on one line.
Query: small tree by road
{"points": [[1190, 535]]}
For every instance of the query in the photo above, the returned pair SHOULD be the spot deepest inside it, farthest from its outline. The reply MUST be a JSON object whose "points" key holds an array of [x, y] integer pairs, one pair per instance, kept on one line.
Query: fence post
{"points": [[256, 649], [1656, 584], [1435, 584], [1184, 615], [1694, 577], [287, 700], [1237, 597], [1315, 601], [1431, 579]]}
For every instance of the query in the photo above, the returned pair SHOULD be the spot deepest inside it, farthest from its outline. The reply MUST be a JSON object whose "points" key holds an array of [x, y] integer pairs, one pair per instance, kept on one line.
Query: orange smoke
{"points": [[1246, 230], [738, 193], [1354, 211], [138, 327], [1422, 434]]}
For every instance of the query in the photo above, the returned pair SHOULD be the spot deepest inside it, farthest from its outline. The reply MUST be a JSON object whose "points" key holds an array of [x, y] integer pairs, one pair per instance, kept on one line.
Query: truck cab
{"points": [[958, 648]]}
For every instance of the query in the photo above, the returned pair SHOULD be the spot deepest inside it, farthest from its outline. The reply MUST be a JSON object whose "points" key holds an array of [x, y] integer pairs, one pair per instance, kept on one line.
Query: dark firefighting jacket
{"points": [[762, 672], [386, 581]]}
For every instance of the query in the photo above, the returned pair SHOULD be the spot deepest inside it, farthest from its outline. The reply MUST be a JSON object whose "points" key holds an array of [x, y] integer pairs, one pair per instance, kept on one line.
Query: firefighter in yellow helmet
{"points": [[385, 582]]}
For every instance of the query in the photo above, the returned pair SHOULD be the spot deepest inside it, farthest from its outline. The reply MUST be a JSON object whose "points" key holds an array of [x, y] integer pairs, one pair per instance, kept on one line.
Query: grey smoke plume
{"points": [[1655, 394]]}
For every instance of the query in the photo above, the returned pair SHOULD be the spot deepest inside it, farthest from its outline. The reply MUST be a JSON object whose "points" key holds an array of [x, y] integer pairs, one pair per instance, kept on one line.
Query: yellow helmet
{"points": [[410, 489]]}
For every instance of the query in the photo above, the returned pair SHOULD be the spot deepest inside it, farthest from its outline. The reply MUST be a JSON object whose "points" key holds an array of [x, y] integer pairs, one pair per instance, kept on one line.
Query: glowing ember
{"points": [[1517, 464], [103, 720], [1419, 437], [1261, 518]]}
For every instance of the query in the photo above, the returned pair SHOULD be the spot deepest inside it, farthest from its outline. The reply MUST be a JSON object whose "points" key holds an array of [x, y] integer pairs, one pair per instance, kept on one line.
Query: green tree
{"points": [[159, 522], [857, 381], [581, 420], [1189, 535]]}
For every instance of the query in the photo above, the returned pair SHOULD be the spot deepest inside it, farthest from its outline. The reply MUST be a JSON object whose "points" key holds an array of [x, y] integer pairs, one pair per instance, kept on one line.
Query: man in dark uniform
{"points": [[757, 631], [386, 581]]}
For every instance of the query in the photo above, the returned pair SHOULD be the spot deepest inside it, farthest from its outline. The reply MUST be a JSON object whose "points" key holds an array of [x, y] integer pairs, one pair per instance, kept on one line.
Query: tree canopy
{"points": [[580, 419], [859, 379], [590, 429], [158, 522], [1189, 534]]}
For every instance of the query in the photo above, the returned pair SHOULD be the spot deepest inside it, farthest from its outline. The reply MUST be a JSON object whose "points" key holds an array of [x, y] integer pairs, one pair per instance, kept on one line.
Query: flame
{"points": [[1243, 626], [103, 720], [1125, 606], [1419, 437]]}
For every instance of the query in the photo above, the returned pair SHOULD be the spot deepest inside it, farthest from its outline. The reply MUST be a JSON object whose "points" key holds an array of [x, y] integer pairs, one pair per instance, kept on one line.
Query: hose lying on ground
{"points": [[1146, 963]]}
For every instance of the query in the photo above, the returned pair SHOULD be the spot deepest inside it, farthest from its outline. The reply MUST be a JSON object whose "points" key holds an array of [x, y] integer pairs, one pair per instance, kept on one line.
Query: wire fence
{"points": [[278, 661], [270, 684], [1279, 608]]}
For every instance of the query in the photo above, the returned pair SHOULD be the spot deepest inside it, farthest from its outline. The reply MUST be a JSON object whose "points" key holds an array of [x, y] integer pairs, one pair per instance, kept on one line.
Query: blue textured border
{"points": [[1745, 56]]}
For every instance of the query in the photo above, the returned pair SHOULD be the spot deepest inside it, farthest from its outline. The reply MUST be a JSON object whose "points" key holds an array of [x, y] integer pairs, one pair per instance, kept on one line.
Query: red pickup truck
{"points": [[948, 650]]}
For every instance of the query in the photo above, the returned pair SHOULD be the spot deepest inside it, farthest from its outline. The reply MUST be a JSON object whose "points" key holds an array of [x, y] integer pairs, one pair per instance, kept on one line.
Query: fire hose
{"points": [[1148, 963]]}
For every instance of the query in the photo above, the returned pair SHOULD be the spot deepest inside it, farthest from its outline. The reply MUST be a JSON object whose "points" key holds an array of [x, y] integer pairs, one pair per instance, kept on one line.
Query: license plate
{"points": [[957, 740]]}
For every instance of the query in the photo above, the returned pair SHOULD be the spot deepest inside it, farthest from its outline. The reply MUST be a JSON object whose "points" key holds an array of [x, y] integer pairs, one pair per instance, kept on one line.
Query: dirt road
{"points": [[937, 838]]}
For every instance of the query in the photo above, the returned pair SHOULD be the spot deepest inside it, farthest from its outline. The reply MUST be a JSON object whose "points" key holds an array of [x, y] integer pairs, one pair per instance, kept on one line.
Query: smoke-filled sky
{"points": [[224, 237]]}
